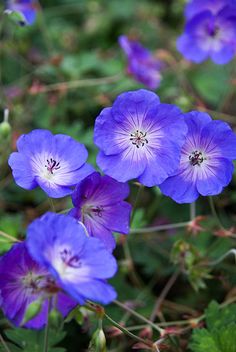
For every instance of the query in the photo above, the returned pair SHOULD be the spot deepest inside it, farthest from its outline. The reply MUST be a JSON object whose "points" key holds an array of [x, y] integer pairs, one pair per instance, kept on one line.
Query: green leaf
{"points": [[217, 318], [205, 80], [220, 335], [33, 340], [202, 341]]}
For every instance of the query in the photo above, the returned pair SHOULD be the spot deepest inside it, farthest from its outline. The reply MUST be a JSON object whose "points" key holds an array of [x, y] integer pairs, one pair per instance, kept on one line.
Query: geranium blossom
{"points": [[194, 7], [80, 264], [23, 281], [209, 34], [142, 65], [206, 165], [139, 137], [99, 204], [27, 10], [53, 162]]}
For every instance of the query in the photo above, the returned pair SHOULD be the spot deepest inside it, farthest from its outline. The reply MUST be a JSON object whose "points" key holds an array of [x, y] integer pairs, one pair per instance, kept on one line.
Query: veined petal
{"points": [[214, 176], [123, 167]]}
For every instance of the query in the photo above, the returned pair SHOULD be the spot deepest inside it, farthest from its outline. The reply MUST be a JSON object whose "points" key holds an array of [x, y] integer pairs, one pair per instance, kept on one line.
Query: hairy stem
{"points": [[139, 316], [6, 348], [9, 237], [163, 294], [160, 227], [127, 332], [214, 213]]}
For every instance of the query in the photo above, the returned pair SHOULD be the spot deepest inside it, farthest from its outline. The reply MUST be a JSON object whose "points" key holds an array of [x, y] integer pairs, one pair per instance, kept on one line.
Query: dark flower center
{"points": [[97, 210], [196, 158], [93, 210], [52, 165], [138, 138], [69, 259], [213, 30], [32, 282]]}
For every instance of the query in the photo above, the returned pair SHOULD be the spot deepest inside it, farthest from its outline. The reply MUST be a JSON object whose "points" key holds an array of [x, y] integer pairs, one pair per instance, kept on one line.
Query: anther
{"points": [[196, 158], [138, 138], [52, 165]]}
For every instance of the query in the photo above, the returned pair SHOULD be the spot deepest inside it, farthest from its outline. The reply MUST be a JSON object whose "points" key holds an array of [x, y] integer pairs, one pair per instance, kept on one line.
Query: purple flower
{"points": [[27, 9], [142, 65], [80, 264], [194, 7], [54, 163], [99, 204], [22, 281], [139, 138], [209, 35], [206, 161]]}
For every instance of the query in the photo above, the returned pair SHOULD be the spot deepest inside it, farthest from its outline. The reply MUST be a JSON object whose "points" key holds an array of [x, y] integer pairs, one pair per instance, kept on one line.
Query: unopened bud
{"points": [[32, 310], [55, 318], [98, 342], [5, 127]]}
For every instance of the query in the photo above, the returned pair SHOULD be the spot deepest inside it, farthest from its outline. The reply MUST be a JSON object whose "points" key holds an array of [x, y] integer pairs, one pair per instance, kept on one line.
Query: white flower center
{"points": [[138, 138], [196, 158]]}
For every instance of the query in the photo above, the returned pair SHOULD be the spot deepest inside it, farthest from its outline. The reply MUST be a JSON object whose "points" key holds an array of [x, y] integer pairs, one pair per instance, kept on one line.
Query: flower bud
{"points": [[98, 341], [32, 310], [55, 318], [5, 127]]}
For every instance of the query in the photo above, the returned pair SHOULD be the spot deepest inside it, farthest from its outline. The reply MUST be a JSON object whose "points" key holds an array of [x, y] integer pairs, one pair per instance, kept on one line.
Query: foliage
{"points": [[33, 341], [219, 336]]}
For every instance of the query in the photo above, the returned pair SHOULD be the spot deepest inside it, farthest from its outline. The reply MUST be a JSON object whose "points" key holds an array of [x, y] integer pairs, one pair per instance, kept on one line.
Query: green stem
{"points": [[45, 347], [215, 262], [163, 294], [79, 83], [193, 211], [9, 237], [6, 348], [52, 205], [160, 228], [127, 332], [214, 213], [139, 316], [133, 275], [139, 193]]}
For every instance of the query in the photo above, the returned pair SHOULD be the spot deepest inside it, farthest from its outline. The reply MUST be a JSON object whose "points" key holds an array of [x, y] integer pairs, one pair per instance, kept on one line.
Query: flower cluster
{"points": [[26, 9], [57, 265], [142, 65], [66, 259], [210, 31]]}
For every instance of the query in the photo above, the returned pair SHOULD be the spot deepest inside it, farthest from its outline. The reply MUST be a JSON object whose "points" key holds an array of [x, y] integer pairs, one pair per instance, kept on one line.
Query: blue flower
{"points": [[206, 165], [209, 33], [80, 264], [194, 7], [139, 137], [99, 204], [53, 162], [23, 281], [142, 65], [27, 10]]}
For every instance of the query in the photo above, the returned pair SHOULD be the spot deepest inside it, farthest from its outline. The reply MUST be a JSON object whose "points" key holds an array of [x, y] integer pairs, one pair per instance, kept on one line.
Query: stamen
{"points": [[196, 158], [91, 210], [69, 259], [97, 210], [52, 165], [138, 138]]}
